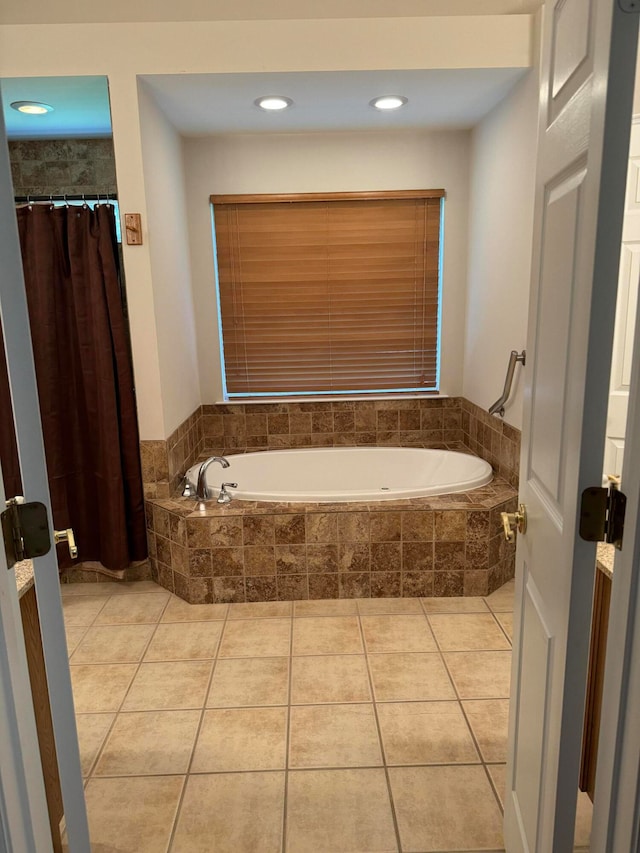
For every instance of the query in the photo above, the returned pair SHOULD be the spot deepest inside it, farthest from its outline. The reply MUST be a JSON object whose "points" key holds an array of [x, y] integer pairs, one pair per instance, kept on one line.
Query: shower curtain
{"points": [[85, 381]]}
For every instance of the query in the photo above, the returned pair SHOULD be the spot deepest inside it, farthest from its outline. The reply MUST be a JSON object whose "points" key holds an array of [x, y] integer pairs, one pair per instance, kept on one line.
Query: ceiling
{"points": [[205, 104], [80, 107]]}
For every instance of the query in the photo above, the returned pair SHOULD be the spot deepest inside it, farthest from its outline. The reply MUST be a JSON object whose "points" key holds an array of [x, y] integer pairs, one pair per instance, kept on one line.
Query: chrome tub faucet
{"points": [[202, 490]]}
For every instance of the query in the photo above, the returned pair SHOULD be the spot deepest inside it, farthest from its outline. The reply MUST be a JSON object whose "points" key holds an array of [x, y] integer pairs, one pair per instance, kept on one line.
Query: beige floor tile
{"points": [[399, 677], [328, 679], [178, 610], [445, 808], [506, 620], [240, 682], [498, 773], [89, 588], [397, 634], [241, 811], [74, 635], [113, 644], [584, 817], [489, 720], [241, 739], [169, 686], [335, 811], [117, 587], [425, 733], [502, 599], [480, 675], [185, 641], [132, 815], [92, 730], [100, 687], [260, 609], [326, 607], [458, 632], [453, 604], [133, 608], [81, 610], [256, 638], [149, 743], [333, 736], [375, 606], [327, 635]]}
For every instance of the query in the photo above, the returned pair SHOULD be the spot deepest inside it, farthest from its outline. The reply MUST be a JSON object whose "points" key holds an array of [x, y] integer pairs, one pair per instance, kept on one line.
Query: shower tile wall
{"points": [[59, 166]]}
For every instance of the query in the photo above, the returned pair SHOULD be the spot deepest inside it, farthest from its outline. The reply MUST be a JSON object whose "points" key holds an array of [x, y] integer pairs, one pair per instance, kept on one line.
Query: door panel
{"points": [[577, 233]]}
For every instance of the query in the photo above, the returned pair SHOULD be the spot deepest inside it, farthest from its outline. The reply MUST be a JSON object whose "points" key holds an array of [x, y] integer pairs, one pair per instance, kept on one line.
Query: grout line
{"points": [[394, 816], [285, 801], [197, 736], [472, 732]]}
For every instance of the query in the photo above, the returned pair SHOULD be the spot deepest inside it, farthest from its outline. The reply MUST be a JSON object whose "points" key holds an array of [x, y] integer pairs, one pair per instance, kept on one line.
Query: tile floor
{"points": [[320, 726]]}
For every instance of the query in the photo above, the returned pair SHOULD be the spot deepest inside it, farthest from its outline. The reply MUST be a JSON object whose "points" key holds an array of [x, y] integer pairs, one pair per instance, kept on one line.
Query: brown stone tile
{"points": [[386, 584], [300, 422], [256, 425], [293, 587], [417, 583], [322, 422], [278, 424], [322, 527], [289, 529], [417, 526], [417, 556], [475, 582], [387, 421], [353, 558], [353, 527], [258, 560], [258, 530], [290, 559], [448, 583], [261, 588], [322, 559], [477, 555], [178, 529], [385, 526], [179, 559], [322, 586], [478, 525], [225, 530], [226, 562], [449, 556], [450, 525], [354, 584], [228, 589], [163, 550], [198, 532], [386, 557]]}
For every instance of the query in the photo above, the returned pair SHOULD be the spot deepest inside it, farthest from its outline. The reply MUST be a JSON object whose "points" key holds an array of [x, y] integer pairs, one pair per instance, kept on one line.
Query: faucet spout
{"points": [[202, 490]]}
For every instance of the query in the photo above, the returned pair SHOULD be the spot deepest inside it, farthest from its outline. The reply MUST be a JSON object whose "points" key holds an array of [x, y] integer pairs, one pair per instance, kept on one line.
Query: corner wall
{"points": [[503, 164], [329, 162], [170, 266]]}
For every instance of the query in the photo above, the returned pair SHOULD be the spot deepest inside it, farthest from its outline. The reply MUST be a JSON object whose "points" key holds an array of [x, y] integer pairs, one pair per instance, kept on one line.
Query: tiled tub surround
{"points": [[250, 551], [452, 423]]}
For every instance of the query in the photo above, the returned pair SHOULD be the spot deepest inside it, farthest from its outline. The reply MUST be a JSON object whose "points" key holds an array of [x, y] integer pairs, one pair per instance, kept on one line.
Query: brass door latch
{"points": [[512, 521]]}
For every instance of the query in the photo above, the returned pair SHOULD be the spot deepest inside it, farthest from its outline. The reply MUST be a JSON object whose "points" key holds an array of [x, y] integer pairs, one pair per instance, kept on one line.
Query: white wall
{"points": [[170, 268], [503, 161], [328, 162]]}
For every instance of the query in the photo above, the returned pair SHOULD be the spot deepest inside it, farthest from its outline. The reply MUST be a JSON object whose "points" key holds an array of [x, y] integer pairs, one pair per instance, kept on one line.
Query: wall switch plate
{"points": [[133, 227]]}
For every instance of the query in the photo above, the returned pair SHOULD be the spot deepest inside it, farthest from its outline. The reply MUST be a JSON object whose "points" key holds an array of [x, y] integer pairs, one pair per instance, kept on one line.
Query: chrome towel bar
{"points": [[514, 358]]}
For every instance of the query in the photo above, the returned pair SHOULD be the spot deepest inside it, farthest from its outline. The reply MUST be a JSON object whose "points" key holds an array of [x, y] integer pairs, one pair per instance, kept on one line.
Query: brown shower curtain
{"points": [[85, 381]]}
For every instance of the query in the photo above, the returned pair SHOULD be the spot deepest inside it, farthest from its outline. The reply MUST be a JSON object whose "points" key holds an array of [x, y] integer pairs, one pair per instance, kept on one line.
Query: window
{"points": [[332, 293]]}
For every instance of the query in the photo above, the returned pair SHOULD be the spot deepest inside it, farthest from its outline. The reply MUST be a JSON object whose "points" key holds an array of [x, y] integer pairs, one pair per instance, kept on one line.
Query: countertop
{"points": [[24, 576], [605, 557]]}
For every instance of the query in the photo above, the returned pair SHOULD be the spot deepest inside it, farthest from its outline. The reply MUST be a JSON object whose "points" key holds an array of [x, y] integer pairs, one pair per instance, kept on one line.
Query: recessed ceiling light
{"points": [[388, 102], [273, 102], [32, 108]]}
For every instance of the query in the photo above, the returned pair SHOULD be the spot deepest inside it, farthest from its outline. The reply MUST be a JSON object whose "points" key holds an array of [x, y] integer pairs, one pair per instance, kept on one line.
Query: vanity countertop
{"points": [[24, 576], [605, 557]]}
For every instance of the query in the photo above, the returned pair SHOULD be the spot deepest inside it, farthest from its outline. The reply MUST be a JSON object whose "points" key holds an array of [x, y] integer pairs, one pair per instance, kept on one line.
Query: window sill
{"points": [[235, 401]]}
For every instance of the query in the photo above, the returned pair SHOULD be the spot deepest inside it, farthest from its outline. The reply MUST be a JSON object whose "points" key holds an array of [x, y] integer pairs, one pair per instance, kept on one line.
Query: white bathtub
{"points": [[346, 474]]}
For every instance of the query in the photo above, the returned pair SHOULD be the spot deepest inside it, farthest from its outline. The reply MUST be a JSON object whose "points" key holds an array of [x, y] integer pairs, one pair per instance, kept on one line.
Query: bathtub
{"points": [[342, 474]]}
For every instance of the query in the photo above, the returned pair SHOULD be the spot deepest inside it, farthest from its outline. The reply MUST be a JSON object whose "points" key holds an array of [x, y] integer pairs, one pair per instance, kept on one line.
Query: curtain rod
{"points": [[57, 197]]}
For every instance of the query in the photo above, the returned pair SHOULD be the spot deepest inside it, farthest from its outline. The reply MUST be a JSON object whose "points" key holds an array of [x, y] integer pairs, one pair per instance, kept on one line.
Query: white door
{"points": [[577, 236], [625, 312], [15, 324]]}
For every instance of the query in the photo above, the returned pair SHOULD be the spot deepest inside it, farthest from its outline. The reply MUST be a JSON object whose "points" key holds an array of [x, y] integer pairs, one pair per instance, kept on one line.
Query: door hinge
{"points": [[632, 6], [25, 530], [602, 513]]}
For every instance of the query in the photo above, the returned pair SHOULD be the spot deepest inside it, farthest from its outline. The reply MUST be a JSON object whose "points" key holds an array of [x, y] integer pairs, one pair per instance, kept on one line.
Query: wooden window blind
{"points": [[329, 293]]}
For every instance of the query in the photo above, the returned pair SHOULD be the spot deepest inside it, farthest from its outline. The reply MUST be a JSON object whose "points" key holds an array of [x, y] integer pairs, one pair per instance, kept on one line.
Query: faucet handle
{"points": [[231, 485], [224, 497]]}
